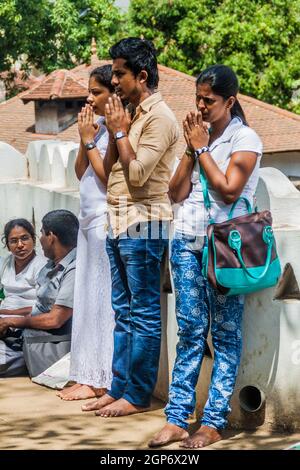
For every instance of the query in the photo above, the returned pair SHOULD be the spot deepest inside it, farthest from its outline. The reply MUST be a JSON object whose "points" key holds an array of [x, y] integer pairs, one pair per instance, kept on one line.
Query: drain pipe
{"points": [[251, 398]]}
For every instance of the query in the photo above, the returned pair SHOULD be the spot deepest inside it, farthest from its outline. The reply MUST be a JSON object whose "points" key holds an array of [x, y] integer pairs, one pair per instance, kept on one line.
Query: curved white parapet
{"points": [[60, 163], [71, 178], [276, 193], [33, 153], [13, 164], [45, 162], [32, 201]]}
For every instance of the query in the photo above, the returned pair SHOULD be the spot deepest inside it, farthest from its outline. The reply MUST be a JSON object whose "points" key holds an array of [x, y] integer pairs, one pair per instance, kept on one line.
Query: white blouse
{"points": [[190, 216], [19, 289]]}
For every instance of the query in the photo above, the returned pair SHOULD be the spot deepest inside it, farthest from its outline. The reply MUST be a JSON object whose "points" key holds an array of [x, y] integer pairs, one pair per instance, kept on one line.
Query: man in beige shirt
{"points": [[139, 162]]}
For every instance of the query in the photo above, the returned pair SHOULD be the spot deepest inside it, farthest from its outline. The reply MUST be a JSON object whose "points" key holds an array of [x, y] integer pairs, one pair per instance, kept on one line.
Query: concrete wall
{"points": [[287, 162]]}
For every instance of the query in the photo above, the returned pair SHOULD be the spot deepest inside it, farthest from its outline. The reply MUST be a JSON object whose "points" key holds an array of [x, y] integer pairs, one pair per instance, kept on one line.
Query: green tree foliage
{"points": [[259, 39], [50, 34]]}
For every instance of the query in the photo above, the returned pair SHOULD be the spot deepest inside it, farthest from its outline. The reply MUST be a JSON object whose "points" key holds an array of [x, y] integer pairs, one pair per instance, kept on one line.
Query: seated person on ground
{"points": [[55, 290], [19, 269]]}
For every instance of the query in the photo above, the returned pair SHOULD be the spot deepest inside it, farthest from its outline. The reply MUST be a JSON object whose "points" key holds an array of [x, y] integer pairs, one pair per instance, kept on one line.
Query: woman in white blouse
{"points": [[93, 317], [19, 270]]}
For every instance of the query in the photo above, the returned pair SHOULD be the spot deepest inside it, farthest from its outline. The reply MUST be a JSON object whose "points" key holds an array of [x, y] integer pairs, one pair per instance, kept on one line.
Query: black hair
{"points": [[139, 54], [223, 82], [25, 224], [64, 224], [102, 75]]}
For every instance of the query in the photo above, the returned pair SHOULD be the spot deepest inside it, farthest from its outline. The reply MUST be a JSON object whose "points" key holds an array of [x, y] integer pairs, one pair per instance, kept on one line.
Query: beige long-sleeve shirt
{"points": [[140, 194]]}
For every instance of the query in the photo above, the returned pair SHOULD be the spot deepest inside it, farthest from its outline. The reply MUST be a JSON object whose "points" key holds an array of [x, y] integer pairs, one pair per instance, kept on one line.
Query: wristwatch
{"points": [[201, 150], [90, 145], [120, 135], [189, 152]]}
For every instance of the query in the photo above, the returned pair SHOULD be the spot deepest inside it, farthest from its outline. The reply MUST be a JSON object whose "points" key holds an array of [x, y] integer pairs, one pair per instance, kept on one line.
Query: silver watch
{"points": [[90, 145], [201, 150], [119, 135]]}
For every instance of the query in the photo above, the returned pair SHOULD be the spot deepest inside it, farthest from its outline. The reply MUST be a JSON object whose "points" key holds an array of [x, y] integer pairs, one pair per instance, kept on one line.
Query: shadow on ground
{"points": [[33, 417]]}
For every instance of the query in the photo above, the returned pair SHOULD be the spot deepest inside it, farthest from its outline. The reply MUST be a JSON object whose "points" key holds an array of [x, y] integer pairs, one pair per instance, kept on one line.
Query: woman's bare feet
{"points": [[63, 393], [120, 407], [169, 433], [84, 392], [98, 404], [205, 436]]}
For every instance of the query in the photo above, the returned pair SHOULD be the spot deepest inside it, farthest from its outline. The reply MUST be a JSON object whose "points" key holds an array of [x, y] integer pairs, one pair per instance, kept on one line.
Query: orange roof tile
{"points": [[278, 129], [60, 84]]}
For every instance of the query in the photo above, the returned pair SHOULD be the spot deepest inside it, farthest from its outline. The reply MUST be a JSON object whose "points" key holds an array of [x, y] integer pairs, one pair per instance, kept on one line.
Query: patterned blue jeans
{"points": [[197, 303]]}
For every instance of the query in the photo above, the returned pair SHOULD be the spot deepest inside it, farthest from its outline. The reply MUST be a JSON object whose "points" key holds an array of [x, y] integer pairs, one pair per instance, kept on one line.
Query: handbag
{"points": [[240, 256], [42, 349]]}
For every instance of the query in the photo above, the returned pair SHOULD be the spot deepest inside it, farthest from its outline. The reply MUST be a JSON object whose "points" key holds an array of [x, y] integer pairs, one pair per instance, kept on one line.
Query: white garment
{"points": [[191, 218], [93, 317], [92, 191], [19, 289]]}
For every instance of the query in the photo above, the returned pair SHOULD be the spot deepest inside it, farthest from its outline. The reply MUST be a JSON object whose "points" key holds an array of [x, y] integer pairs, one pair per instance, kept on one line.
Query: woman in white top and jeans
{"points": [[93, 317], [219, 139]]}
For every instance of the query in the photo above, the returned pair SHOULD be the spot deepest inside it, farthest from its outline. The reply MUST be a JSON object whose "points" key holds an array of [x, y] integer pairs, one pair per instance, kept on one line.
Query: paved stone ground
{"points": [[32, 417]]}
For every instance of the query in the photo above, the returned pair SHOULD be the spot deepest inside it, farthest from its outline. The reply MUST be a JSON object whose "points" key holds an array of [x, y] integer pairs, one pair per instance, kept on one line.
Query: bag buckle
{"points": [[235, 240]]}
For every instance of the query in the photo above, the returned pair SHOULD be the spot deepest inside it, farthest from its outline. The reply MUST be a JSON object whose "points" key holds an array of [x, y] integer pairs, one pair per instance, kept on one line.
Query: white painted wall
{"points": [[12, 163]]}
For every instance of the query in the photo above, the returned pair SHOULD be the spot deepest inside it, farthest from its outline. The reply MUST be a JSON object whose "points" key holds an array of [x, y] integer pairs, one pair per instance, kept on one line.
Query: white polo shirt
{"points": [[190, 217]]}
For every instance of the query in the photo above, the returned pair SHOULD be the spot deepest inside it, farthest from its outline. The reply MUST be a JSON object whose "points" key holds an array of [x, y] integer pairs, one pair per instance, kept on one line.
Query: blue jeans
{"points": [[135, 272], [196, 303]]}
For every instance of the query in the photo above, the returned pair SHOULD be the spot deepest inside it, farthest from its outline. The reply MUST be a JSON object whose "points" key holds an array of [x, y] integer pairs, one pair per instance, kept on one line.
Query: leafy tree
{"points": [[259, 39], [24, 28], [49, 34], [75, 22]]}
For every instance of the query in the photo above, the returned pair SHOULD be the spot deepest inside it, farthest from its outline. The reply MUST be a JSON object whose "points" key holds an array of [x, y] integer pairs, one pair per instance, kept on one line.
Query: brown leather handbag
{"points": [[240, 256]]}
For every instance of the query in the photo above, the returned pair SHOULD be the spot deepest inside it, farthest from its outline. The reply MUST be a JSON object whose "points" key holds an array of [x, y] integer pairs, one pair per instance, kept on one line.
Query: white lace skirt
{"points": [[93, 317]]}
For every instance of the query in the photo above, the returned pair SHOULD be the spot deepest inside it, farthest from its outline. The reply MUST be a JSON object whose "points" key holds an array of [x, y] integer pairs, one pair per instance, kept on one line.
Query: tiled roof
{"points": [[61, 84], [278, 129]]}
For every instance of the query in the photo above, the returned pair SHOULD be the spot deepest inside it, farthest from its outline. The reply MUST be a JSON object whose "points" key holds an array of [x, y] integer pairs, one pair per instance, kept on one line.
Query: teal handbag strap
{"points": [[235, 243], [247, 202], [207, 203], [206, 199]]}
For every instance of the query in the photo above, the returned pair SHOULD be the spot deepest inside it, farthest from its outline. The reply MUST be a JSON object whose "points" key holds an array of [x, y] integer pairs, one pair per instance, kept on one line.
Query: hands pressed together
{"points": [[117, 117], [87, 128], [195, 131]]}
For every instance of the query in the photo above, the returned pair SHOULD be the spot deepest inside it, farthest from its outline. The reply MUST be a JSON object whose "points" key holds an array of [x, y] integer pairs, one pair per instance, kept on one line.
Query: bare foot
{"points": [[169, 433], [205, 436], [98, 404], [120, 407], [67, 390], [84, 392]]}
